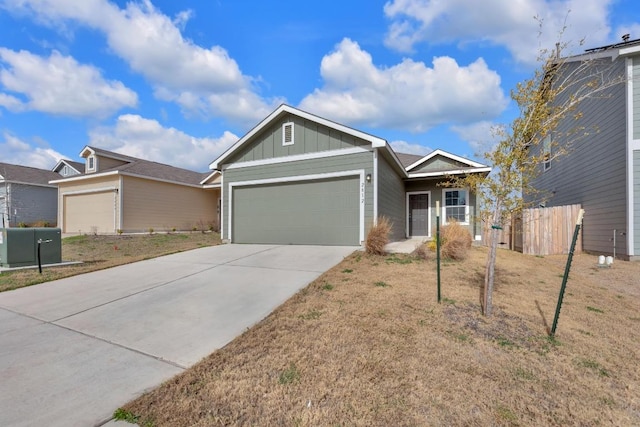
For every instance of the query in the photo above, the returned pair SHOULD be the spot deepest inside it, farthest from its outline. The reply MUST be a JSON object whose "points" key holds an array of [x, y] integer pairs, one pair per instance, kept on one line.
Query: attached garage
{"points": [[309, 211], [93, 212]]}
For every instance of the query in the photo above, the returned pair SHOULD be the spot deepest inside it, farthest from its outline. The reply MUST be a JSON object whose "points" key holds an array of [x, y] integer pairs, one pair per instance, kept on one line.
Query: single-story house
{"points": [[297, 178], [26, 196], [116, 192]]}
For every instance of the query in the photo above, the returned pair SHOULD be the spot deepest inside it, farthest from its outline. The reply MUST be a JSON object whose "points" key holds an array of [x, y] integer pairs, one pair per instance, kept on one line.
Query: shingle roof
{"points": [[408, 159], [27, 174], [79, 166], [151, 169]]}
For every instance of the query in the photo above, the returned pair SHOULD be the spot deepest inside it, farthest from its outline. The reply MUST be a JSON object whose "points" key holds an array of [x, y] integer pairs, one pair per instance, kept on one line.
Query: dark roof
{"points": [[149, 169], [79, 166], [408, 159], [27, 174]]}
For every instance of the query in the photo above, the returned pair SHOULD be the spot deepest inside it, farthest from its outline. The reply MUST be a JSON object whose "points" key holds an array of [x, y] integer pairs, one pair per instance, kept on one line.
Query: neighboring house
{"points": [[297, 178], [117, 192], [602, 171], [26, 196], [68, 168]]}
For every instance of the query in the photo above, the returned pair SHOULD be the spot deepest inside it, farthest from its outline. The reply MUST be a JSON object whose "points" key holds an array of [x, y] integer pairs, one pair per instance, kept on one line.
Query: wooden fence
{"points": [[540, 231]]}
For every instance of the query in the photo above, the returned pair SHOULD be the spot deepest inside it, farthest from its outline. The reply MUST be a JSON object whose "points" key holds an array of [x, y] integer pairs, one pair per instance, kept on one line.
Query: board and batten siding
{"points": [[636, 202], [438, 163], [593, 172], [309, 137], [348, 162], [391, 198], [163, 206]]}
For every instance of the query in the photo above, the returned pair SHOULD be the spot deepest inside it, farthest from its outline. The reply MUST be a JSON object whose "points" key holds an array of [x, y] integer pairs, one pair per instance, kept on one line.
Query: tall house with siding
{"points": [[602, 170]]}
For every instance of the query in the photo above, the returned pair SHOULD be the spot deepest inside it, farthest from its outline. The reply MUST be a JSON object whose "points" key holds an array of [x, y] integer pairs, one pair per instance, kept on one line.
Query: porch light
{"points": [[368, 177]]}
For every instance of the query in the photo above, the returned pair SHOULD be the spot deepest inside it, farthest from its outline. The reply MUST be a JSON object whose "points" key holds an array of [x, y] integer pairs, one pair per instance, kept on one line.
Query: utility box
{"points": [[19, 246]]}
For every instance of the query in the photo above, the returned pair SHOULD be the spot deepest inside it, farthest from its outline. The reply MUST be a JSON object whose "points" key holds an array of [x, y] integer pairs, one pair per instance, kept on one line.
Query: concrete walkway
{"points": [[74, 350]]}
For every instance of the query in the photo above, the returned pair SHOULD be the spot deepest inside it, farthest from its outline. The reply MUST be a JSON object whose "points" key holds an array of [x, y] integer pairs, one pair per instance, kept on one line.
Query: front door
{"points": [[419, 214]]}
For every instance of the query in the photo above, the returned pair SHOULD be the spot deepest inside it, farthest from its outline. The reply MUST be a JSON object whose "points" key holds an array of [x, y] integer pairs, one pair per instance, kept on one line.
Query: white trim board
{"points": [[297, 158], [632, 145], [289, 179]]}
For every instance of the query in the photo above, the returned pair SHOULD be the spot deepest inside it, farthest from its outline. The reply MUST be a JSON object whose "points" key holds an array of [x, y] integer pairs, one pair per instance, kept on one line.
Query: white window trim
{"points": [[293, 138], [360, 173], [91, 159], [444, 206], [410, 193]]}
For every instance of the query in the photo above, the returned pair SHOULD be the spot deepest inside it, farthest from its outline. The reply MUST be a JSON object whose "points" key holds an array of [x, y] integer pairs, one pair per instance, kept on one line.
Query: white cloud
{"points": [[505, 23], [18, 152], [409, 148], [409, 96], [480, 136], [59, 85], [152, 43], [137, 136]]}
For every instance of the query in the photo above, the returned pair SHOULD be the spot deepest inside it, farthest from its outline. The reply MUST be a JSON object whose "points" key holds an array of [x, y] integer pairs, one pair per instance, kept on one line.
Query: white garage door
{"points": [[90, 213]]}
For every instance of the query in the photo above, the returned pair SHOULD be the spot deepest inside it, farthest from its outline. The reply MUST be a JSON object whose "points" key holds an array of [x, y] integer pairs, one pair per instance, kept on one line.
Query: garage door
{"points": [[319, 212], [89, 213]]}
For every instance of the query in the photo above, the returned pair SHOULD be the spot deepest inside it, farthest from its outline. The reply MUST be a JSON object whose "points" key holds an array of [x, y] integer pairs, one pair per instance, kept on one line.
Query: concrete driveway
{"points": [[74, 350]]}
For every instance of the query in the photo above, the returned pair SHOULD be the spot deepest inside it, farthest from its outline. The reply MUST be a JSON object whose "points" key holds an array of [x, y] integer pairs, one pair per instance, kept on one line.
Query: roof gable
{"points": [[273, 123], [77, 167]]}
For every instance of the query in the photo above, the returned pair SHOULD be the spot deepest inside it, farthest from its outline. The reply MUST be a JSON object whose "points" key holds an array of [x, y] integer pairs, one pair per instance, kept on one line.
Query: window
{"points": [[455, 206], [65, 170], [287, 133], [546, 152], [91, 163]]}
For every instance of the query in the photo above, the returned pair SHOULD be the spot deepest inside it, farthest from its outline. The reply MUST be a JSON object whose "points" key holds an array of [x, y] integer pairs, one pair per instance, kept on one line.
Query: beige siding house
{"points": [[118, 192]]}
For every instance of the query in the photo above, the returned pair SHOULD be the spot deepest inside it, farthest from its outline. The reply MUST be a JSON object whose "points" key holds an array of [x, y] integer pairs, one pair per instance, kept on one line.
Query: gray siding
{"points": [[636, 98], [357, 161], [636, 202], [391, 198], [436, 196], [438, 163], [593, 172], [309, 137], [29, 204]]}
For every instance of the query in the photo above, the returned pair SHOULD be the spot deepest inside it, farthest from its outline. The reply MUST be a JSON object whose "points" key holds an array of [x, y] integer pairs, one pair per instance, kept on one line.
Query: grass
{"points": [[396, 357], [100, 252]]}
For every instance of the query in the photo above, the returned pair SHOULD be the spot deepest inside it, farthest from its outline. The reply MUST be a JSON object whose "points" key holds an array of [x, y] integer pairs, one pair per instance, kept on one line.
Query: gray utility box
{"points": [[19, 246]]}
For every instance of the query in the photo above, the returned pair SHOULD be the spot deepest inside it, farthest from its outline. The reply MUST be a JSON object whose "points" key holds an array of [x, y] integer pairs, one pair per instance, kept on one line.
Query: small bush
{"points": [[455, 242], [378, 237]]}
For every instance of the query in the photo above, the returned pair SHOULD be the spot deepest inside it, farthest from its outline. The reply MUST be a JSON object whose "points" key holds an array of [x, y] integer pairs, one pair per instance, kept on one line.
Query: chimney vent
{"points": [[625, 38]]}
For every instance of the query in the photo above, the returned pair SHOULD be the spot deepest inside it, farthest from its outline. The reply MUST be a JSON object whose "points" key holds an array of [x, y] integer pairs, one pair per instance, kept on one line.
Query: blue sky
{"points": [[179, 82]]}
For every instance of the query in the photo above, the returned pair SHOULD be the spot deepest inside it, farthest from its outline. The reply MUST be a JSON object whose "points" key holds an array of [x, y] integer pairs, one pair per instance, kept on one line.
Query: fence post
{"points": [[566, 272]]}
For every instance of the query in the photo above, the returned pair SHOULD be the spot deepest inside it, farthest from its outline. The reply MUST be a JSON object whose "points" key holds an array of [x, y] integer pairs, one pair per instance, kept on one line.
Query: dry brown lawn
{"points": [[99, 252], [367, 344]]}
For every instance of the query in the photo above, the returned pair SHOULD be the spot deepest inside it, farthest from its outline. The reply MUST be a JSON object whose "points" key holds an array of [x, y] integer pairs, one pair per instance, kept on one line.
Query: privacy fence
{"points": [[540, 231]]}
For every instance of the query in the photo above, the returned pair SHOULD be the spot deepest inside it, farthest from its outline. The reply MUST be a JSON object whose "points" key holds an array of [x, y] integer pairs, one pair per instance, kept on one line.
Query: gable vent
{"points": [[287, 133]]}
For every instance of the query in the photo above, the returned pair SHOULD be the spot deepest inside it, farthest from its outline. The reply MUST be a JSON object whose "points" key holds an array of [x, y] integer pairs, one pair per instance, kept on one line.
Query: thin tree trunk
{"points": [[489, 273]]}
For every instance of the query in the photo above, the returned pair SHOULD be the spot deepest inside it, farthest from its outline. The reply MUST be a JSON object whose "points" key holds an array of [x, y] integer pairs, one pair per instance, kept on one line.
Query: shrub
{"points": [[424, 250], [455, 242], [378, 237]]}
